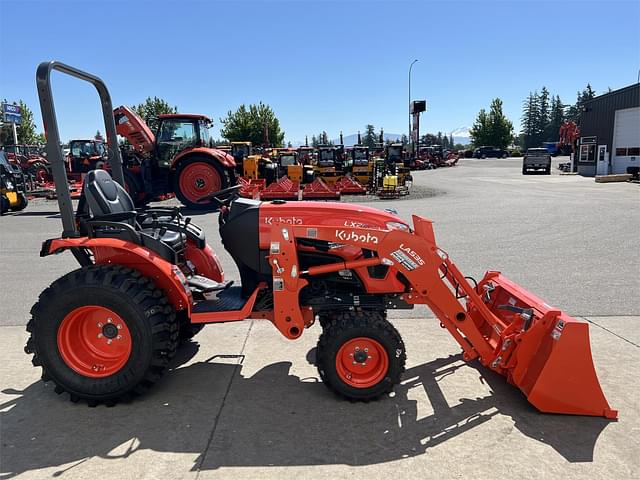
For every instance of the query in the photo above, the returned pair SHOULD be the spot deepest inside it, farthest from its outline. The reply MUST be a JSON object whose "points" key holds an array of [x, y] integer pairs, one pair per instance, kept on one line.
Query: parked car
{"points": [[488, 152], [536, 159]]}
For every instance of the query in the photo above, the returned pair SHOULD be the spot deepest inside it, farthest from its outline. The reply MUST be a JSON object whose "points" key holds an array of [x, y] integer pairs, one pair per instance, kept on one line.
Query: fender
{"points": [[166, 276], [224, 158]]}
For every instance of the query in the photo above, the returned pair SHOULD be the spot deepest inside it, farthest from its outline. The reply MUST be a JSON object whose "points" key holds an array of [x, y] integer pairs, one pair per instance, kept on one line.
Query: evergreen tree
{"points": [[439, 138], [369, 138], [573, 114], [530, 120], [543, 112], [451, 144], [314, 141], [556, 119]]}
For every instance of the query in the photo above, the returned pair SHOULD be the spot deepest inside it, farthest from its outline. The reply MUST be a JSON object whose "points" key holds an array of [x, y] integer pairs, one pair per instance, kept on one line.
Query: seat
{"points": [[109, 203]]}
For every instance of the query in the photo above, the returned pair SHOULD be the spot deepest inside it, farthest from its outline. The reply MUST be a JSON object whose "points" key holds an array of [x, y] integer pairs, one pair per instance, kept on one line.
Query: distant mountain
{"points": [[461, 135], [350, 140]]}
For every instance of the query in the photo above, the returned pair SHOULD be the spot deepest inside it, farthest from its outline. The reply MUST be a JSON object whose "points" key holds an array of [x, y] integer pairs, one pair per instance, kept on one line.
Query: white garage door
{"points": [[626, 140]]}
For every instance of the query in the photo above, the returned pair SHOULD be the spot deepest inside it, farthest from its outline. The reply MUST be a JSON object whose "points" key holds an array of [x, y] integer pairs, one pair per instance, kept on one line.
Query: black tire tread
{"points": [[372, 320], [140, 290]]}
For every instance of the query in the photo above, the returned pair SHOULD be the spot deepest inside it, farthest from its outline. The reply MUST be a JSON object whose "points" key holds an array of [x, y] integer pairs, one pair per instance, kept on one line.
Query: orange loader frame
{"points": [[539, 349]]}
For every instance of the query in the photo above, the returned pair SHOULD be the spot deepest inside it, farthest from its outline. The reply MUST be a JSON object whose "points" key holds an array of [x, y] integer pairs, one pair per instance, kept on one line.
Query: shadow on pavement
{"points": [[270, 418]]}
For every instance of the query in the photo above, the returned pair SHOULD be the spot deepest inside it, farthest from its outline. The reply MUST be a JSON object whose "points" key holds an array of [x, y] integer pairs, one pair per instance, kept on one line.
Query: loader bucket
{"points": [[543, 351]]}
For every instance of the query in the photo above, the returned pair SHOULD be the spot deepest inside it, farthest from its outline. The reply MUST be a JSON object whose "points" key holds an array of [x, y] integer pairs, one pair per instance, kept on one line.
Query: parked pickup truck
{"points": [[536, 159]]}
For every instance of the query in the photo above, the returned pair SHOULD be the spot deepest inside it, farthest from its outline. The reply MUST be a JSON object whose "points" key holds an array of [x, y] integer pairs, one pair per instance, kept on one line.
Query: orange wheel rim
{"points": [[199, 179], [362, 362], [94, 341]]}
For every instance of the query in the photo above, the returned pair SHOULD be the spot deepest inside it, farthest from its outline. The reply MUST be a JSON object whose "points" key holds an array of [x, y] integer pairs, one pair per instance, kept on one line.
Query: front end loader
{"points": [[147, 278]]}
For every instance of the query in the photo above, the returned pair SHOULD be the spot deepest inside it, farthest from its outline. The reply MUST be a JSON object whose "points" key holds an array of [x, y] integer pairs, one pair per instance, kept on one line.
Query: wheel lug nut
{"points": [[119, 337], [351, 354], [357, 349], [354, 362], [109, 341], [99, 324], [119, 326], [369, 357], [109, 320], [366, 349], [99, 335]]}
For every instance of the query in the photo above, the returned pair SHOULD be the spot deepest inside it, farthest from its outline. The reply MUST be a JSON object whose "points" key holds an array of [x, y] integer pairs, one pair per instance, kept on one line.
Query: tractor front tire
{"points": [[197, 177], [102, 333], [360, 355]]}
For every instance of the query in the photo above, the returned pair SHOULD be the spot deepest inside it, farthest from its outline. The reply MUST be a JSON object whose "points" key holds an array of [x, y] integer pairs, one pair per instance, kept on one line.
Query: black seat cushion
{"points": [[106, 197]]}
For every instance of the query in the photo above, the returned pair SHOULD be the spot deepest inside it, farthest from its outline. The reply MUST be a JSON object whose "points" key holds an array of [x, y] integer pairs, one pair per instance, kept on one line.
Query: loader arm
{"points": [[541, 350]]}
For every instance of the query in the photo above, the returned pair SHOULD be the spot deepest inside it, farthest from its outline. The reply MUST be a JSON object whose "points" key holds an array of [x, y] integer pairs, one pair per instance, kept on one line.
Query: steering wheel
{"points": [[223, 197]]}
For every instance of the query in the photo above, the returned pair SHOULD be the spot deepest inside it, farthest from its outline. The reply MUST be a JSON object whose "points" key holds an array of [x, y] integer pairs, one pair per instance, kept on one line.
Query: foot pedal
{"points": [[206, 285]]}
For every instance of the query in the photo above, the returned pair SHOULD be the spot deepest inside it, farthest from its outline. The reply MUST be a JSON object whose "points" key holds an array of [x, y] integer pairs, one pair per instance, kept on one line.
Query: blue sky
{"points": [[321, 65]]}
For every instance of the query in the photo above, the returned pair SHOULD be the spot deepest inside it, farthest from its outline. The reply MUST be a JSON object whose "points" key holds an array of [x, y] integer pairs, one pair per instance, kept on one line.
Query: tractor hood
{"points": [[343, 216]]}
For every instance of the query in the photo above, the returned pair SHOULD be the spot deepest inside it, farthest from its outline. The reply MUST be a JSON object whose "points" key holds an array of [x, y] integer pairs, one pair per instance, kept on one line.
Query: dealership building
{"points": [[610, 133]]}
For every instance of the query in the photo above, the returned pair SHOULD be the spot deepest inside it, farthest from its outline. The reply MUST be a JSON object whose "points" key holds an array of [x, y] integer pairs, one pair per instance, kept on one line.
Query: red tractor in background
{"points": [[178, 159], [85, 155], [31, 159]]}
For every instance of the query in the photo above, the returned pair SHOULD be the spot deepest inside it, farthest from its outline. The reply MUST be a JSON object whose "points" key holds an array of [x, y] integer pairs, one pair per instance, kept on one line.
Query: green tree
{"points": [[492, 128], [556, 119], [451, 144], [314, 141], [151, 108], [574, 112], [369, 138], [429, 139], [543, 113], [530, 121], [250, 125], [439, 138]]}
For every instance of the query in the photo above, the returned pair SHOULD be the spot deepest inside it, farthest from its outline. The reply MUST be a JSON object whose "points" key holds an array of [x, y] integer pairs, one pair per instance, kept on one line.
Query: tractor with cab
{"points": [[178, 158]]}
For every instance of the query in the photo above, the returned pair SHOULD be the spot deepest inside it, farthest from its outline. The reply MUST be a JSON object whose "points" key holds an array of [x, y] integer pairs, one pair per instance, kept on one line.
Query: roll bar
{"points": [[54, 152]]}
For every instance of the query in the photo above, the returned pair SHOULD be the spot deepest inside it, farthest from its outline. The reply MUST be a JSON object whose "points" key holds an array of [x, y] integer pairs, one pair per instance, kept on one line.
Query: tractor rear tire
{"points": [[23, 201], [360, 355], [102, 333], [197, 177]]}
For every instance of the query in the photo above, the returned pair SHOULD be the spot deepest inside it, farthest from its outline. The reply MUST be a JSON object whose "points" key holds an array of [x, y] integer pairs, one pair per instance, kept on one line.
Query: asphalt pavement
{"points": [[243, 402]]}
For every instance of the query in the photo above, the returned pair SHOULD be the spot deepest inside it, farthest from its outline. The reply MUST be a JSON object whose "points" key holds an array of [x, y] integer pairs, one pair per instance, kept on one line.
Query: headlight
{"points": [[397, 226]]}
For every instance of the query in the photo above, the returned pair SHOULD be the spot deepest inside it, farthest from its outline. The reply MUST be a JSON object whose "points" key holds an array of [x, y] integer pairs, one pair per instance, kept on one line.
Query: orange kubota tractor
{"points": [[178, 159], [108, 330]]}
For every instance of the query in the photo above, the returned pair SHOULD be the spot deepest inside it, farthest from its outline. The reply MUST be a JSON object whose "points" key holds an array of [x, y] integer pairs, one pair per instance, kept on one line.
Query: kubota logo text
{"points": [[287, 220], [351, 236]]}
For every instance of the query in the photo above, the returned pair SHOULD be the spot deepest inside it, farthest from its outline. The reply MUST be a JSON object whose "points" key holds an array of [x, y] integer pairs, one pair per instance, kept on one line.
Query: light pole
{"points": [[410, 67]]}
